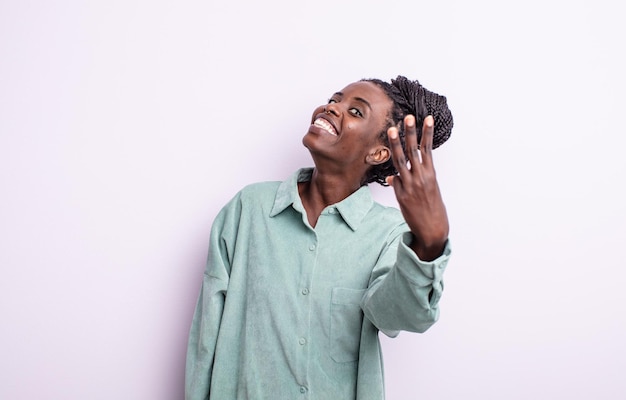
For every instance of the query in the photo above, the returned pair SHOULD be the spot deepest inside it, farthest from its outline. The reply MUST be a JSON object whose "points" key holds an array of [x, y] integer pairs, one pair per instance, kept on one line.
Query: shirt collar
{"points": [[352, 209]]}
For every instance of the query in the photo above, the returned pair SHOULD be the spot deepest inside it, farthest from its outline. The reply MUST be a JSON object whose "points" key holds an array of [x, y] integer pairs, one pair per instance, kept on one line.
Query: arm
{"points": [[404, 291], [203, 338], [207, 318], [406, 287]]}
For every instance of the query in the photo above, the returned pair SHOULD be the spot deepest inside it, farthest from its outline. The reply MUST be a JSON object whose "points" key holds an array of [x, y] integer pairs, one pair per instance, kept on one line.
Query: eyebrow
{"points": [[359, 99]]}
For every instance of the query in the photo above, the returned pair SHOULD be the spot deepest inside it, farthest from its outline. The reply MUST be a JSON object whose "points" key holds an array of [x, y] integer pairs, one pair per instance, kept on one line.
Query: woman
{"points": [[302, 274]]}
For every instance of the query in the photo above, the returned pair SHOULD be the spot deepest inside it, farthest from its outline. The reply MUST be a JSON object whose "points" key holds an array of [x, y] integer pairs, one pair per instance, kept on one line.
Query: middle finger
{"points": [[412, 148]]}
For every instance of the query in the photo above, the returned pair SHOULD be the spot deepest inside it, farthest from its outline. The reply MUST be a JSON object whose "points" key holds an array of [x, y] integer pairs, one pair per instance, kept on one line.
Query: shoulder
{"points": [[259, 191], [387, 220], [252, 196], [391, 214], [248, 201]]}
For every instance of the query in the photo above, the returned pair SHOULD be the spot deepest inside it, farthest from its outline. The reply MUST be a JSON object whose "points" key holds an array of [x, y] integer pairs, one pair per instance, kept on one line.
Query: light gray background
{"points": [[126, 125]]}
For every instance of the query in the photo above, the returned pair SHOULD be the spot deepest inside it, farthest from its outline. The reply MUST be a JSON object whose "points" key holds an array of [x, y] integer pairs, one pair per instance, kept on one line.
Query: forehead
{"points": [[369, 92]]}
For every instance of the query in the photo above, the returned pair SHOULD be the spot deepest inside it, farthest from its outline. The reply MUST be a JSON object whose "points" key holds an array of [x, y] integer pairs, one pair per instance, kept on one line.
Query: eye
{"points": [[356, 112], [330, 101]]}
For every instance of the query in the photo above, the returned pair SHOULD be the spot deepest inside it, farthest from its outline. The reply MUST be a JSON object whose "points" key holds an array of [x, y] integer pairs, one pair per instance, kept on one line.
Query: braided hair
{"points": [[409, 97]]}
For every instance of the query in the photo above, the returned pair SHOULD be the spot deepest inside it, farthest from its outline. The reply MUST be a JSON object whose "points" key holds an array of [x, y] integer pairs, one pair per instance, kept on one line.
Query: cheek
{"points": [[318, 110]]}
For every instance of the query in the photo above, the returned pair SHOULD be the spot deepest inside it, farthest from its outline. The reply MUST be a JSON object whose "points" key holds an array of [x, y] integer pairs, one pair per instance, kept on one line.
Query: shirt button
{"points": [[312, 247], [305, 291], [332, 211], [302, 341], [302, 389]]}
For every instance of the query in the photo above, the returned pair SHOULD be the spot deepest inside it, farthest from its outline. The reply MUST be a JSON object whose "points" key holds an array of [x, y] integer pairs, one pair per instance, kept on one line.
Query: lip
{"points": [[325, 117]]}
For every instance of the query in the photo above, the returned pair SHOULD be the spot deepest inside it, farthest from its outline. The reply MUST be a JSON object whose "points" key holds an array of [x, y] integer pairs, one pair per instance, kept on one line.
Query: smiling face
{"points": [[345, 133]]}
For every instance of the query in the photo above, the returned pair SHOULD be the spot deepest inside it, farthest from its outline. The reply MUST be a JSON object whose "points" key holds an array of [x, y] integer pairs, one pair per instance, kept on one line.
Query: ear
{"points": [[378, 155]]}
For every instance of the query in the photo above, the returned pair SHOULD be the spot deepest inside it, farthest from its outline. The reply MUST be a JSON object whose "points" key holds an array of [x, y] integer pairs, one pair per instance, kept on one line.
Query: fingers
{"points": [[426, 144], [397, 154], [412, 149], [419, 156]]}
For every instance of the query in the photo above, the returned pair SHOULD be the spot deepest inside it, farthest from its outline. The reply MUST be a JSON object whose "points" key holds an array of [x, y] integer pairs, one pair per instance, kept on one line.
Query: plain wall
{"points": [[126, 125]]}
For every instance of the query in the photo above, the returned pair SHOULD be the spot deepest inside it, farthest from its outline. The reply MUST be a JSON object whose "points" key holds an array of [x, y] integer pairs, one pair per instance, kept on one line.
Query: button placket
{"points": [[305, 284]]}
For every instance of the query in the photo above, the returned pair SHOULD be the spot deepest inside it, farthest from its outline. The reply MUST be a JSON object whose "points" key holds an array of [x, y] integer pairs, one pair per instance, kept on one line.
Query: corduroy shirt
{"points": [[287, 311]]}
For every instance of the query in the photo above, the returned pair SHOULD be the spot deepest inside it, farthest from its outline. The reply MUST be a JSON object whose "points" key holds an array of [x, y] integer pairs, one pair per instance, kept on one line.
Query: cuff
{"points": [[417, 271]]}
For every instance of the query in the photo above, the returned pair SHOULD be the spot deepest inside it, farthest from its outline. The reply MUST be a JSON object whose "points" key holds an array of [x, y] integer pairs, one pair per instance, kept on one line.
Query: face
{"points": [[347, 129]]}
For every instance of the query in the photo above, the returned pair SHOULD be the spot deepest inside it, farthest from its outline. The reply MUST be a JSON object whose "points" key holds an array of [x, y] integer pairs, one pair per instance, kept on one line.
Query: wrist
{"points": [[428, 251]]}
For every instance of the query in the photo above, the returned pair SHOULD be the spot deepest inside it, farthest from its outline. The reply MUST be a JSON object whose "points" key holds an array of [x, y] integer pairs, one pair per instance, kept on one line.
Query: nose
{"points": [[331, 108]]}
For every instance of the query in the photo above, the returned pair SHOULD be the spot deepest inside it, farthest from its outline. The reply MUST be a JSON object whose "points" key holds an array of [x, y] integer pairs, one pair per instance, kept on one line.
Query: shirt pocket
{"points": [[346, 319]]}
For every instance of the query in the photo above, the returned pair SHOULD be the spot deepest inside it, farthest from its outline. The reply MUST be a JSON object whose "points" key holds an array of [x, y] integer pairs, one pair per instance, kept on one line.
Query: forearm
{"points": [[203, 338], [406, 297]]}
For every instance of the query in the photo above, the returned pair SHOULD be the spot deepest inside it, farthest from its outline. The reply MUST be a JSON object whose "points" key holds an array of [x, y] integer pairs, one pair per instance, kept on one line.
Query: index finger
{"points": [[397, 154]]}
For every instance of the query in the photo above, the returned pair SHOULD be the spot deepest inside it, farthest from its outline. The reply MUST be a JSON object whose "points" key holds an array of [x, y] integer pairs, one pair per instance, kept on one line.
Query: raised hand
{"points": [[417, 190]]}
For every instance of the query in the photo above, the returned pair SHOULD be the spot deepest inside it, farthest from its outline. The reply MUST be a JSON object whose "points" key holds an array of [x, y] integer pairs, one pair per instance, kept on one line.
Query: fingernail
{"points": [[430, 121], [393, 133], [410, 121]]}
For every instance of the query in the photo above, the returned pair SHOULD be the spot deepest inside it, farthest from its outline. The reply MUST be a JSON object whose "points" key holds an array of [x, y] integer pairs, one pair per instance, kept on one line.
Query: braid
{"points": [[409, 97]]}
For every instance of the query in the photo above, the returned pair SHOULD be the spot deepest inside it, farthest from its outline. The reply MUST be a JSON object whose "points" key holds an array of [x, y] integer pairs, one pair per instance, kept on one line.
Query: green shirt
{"points": [[287, 311]]}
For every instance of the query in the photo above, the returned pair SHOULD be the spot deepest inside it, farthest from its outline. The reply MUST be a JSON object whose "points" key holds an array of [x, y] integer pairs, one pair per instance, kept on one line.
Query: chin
{"points": [[308, 141]]}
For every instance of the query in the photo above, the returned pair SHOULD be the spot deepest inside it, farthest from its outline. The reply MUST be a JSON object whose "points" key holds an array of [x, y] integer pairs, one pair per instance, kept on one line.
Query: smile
{"points": [[325, 125]]}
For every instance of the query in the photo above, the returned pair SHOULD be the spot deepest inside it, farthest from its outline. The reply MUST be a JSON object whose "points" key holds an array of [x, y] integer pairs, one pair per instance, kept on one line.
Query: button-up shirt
{"points": [[287, 311]]}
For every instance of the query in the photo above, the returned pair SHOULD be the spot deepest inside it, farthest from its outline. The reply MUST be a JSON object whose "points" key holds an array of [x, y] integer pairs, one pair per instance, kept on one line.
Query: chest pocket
{"points": [[346, 319]]}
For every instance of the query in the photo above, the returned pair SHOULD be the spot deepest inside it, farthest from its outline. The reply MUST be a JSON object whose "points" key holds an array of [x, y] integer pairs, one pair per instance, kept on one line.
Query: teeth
{"points": [[325, 125]]}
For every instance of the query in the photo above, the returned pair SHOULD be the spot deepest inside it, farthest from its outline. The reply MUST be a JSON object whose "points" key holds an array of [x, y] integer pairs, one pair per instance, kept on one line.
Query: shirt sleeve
{"points": [[404, 291], [207, 317]]}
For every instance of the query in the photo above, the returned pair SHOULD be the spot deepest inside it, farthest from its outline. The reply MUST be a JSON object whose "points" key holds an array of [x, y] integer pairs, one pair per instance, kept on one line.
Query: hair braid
{"points": [[409, 97]]}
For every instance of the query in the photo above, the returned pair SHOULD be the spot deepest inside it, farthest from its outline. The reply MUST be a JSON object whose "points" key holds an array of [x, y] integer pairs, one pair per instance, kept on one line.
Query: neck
{"points": [[323, 190]]}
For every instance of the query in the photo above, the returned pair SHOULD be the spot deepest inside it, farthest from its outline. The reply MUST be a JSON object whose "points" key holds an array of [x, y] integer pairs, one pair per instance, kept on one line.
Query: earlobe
{"points": [[378, 155]]}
